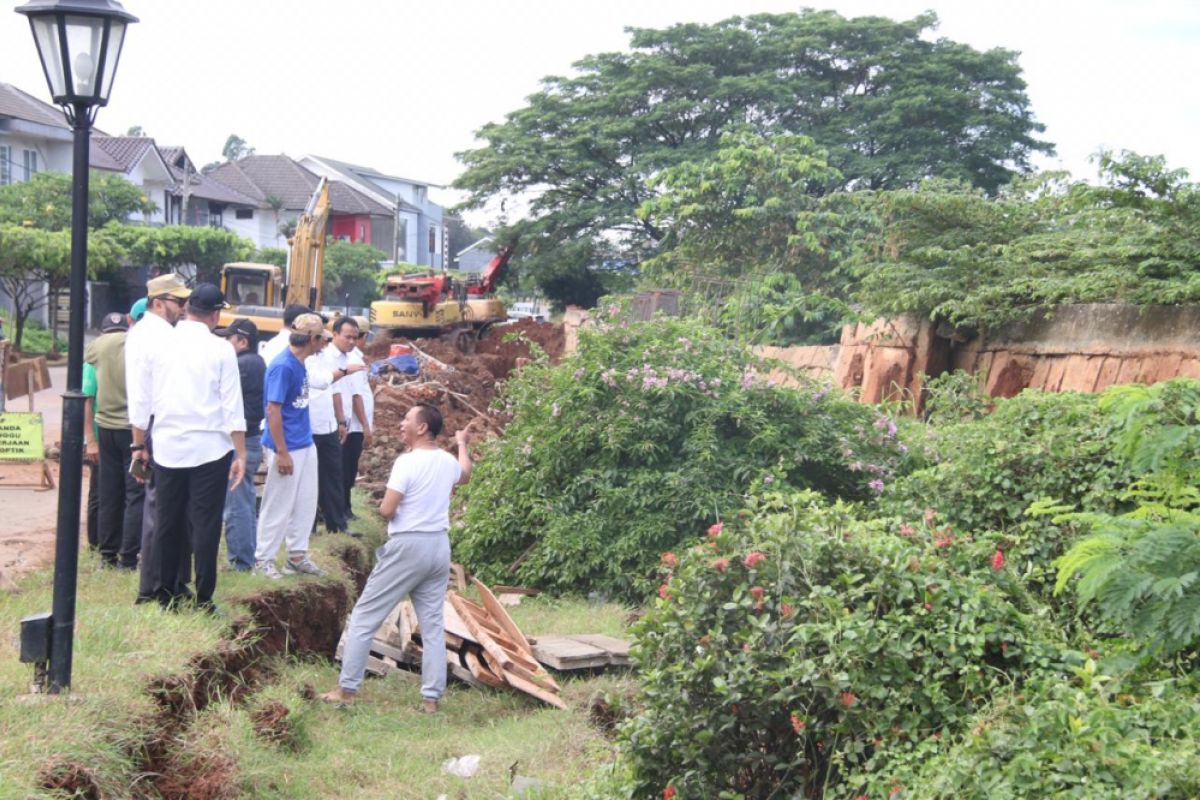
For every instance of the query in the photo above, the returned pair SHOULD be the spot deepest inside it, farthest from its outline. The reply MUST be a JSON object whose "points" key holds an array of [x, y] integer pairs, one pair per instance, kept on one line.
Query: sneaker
{"points": [[302, 567], [267, 569]]}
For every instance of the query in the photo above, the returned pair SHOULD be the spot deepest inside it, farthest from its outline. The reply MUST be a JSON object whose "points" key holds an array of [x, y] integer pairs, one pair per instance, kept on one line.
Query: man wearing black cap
{"points": [[240, 517], [119, 520], [199, 445]]}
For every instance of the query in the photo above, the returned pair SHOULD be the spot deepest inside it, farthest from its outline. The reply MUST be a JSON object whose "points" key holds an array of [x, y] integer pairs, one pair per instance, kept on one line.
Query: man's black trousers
{"points": [[351, 451], [121, 501], [190, 504], [330, 489]]}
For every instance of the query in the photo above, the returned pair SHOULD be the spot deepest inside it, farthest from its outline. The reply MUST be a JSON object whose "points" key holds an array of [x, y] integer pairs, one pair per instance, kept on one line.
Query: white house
{"points": [[417, 235]]}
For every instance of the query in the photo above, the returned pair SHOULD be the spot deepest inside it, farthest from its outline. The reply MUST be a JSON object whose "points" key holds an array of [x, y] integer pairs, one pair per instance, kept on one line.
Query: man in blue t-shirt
{"points": [[289, 503]]}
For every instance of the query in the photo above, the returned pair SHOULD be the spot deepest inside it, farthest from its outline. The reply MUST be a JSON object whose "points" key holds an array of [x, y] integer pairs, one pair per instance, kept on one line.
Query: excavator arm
{"points": [[306, 253], [494, 271]]}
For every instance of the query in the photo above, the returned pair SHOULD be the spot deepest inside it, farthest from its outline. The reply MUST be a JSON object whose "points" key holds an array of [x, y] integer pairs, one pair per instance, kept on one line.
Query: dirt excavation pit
{"points": [[301, 620], [460, 385]]}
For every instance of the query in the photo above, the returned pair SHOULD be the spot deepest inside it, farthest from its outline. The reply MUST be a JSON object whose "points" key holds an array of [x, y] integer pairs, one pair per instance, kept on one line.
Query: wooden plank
{"points": [[480, 671], [530, 688], [563, 653], [510, 667], [458, 578], [497, 612], [465, 675], [617, 649], [408, 655]]}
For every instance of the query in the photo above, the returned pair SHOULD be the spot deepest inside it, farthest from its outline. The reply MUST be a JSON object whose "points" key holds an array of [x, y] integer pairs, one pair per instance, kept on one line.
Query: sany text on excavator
{"points": [[258, 291], [426, 304]]}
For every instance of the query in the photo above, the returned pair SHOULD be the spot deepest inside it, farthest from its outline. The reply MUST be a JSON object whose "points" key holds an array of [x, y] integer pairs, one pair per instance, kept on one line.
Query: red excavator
{"points": [[428, 304]]}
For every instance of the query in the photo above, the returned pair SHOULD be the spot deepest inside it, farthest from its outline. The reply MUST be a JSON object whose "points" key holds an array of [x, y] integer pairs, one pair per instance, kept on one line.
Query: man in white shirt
{"points": [[415, 561], [358, 404], [199, 445], [279, 342], [166, 296], [329, 424]]}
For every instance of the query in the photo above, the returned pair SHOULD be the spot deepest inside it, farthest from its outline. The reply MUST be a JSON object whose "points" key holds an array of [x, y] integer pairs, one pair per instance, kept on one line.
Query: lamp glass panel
{"points": [[45, 34], [116, 38], [84, 35]]}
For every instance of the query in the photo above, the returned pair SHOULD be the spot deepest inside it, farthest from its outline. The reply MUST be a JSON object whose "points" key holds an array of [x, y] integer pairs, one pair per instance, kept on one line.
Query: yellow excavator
{"points": [[426, 304], [259, 291]]}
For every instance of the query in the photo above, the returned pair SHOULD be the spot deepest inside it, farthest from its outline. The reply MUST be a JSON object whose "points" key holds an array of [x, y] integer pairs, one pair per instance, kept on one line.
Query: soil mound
{"points": [[460, 385]]}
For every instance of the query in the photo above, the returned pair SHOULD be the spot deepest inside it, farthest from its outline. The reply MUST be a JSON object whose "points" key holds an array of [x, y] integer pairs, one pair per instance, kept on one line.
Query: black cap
{"points": [[206, 298], [294, 310], [115, 321], [240, 327]]}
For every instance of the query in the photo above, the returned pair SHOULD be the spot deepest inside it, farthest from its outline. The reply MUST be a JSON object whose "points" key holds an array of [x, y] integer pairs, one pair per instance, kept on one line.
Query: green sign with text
{"points": [[21, 437]]}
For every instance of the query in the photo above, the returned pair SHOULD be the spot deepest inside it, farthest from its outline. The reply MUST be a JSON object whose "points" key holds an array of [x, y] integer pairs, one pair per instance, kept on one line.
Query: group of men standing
{"points": [[180, 420]]}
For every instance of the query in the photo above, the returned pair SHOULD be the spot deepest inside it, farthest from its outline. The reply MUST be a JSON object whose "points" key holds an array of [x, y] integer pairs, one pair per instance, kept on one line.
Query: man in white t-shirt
{"points": [[415, 561]]}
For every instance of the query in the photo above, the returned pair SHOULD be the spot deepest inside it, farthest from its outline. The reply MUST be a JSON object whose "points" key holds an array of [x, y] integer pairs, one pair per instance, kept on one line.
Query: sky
{"points": [[402, 86]]}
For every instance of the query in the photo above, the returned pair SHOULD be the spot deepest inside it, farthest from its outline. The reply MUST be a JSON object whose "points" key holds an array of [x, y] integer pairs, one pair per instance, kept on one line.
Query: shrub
{"points": [[1091, 740], [811, 646], [1034, 446], [648, 434]]}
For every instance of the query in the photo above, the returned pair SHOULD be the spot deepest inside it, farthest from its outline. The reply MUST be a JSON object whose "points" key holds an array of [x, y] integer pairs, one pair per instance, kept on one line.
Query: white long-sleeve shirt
{"points": [[141, 343], [357, 384], [322, 388], [196, 398]]}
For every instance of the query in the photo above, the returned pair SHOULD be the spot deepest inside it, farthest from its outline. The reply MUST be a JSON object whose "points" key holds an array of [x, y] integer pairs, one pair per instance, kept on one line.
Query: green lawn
{"points": [[380, 748]]}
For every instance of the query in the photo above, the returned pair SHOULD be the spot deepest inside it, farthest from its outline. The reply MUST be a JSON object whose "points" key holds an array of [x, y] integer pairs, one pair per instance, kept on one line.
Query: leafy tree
{"points": [[270, 255], [235, 148], [351, 268], [890, 105], [44, 201], [461, 235], [950, 252], [35, 265], [135, 130], [177, 245]]}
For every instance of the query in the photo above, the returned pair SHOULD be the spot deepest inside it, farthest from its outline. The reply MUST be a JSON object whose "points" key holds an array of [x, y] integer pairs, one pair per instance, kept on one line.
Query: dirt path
{"points": [[28, 517]]}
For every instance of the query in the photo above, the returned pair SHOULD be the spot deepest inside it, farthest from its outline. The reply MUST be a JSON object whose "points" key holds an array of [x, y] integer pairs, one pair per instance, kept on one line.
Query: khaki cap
{"points": [[170, 284], [362, 323], [310, 325]]}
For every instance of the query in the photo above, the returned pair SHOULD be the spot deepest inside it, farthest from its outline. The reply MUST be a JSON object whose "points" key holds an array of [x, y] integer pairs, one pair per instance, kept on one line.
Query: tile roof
{"points": [[21, 105], [200, 185], [125, 150], [261, 177], [370, 172], [99, 159]]}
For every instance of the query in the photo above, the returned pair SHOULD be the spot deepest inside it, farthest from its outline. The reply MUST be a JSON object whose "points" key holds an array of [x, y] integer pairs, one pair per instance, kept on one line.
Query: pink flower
{"points": [[875, 485], [670, 560], [757, 593], [998, 560], [754, 558], [787, 610], [797, 724], [721, 564], [907, 530], [664, 592], [668, 792], [847, 699], [715, 528]]}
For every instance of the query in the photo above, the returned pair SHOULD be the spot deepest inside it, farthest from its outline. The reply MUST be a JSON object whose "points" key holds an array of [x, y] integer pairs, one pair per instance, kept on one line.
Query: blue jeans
{"points": [[241, 521]]}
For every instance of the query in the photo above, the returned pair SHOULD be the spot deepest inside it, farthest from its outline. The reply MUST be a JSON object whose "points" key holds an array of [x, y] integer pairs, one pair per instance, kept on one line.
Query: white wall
{"points": [[52, 156]]}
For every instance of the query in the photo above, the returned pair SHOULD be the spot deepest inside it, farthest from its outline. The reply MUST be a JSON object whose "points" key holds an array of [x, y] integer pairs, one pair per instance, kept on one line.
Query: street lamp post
{"points": [[79, 43]]}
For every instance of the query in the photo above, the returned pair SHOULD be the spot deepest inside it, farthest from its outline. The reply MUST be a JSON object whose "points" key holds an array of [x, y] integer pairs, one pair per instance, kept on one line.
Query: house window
{"points": [[244, 213], [5, 165], [31, 164]]}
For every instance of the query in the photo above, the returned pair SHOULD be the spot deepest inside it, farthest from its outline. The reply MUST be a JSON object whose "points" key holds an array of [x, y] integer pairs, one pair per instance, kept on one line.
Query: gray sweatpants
{"points": [[413, 564]]}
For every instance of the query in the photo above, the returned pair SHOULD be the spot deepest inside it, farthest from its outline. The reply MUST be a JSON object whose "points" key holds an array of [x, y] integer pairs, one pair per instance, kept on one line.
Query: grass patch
{"points": [[381, 748], [35, 338]]}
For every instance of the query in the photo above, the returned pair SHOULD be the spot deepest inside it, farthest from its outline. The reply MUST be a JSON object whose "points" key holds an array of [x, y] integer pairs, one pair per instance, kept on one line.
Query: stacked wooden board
{"points": [[484, 647]]}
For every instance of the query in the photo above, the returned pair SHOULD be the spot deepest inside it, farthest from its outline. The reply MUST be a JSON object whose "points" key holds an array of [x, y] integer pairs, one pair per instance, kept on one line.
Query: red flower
{"points": [[757, 592], [929, 606], [797, 724], [847, 699], [664, 592], [754, 558], [716, 528], [998, 560], [788, 610], [907, 530], [670, 560], [721, 564], [668, 793], [897, 789]]}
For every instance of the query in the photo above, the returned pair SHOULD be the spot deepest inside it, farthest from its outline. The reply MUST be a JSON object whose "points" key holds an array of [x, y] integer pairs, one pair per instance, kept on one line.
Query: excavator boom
{"points": [[306, 254]]}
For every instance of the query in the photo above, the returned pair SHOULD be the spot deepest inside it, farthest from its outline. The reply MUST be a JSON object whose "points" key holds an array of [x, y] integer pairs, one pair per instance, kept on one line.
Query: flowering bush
{"points": [[641, 441], [809, 648]]}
